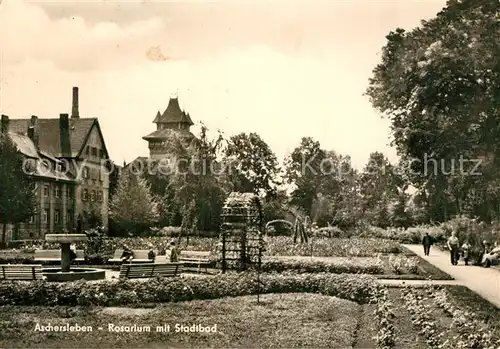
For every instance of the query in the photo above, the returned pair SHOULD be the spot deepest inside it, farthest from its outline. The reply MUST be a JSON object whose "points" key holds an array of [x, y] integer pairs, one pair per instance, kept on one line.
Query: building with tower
{"points": [[172, 136], [174, 124]]}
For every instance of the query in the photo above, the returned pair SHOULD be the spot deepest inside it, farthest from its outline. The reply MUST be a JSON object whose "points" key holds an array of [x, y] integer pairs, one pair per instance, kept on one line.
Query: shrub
{"points": [[344, 267], [331, 232], [284, 246], [358, 288]]}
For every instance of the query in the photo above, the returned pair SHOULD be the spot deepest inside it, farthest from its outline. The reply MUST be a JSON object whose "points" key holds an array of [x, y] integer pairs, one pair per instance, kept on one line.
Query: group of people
{"points": [[173, 251], [455, 248]]}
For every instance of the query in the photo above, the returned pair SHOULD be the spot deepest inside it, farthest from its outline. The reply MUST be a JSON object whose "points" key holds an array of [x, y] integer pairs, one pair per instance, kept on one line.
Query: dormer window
{"points": [[94, 151], [87, 150]]}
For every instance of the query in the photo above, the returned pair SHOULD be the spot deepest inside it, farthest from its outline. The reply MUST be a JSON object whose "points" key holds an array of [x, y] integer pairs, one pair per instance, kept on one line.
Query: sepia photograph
{"points": [[250, 174]]}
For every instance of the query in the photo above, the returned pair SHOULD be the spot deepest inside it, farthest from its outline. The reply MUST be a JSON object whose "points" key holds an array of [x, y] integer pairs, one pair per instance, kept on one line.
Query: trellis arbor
{"points": [[241, 232]]}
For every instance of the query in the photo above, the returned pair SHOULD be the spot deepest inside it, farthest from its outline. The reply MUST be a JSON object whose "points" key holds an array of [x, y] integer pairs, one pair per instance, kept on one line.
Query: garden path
{"points": [[484, 281]]}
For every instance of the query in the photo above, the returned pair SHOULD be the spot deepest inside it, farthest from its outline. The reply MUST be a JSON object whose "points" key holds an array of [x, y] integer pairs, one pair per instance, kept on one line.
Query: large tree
{"points": [[254, 164], [379, 189], [304, 170], [133, 207], [202, 183], [17, 196], [439, 85]]}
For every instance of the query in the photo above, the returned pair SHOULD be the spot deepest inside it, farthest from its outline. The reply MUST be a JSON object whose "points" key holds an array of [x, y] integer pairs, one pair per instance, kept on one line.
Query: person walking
{"points": [[427, 242], [453, 246]]}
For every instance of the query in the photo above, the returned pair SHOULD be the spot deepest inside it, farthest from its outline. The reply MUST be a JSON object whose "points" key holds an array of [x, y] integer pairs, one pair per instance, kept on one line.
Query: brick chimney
{"points": [[75, 113], [5, 124], [64, 135]]}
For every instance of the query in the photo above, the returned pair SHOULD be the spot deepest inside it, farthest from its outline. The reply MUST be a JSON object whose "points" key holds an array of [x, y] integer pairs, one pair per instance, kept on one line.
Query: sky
{"points": [[283, 69]]}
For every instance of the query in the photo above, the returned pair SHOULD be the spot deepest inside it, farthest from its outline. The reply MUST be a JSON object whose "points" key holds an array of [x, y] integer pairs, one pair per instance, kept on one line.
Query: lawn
{"points": [[279, 321]]}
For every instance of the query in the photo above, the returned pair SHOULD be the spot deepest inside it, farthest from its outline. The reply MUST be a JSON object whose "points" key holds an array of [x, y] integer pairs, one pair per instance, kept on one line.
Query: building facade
{"points": [[70, 163]]}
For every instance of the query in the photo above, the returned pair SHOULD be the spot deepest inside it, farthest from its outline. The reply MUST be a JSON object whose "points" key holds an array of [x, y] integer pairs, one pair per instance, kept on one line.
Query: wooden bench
{"points": [[150, 270], [141, 256], [21, 272], [197, 258], [55, 256], [116, 257]]}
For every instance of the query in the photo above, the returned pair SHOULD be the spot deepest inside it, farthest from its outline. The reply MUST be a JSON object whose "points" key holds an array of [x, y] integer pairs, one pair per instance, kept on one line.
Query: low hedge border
{"points": [[359, 288], [345, 267]]}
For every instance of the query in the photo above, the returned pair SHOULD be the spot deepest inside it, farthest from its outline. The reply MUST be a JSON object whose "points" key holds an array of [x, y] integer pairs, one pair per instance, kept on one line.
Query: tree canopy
{"points": [[17, 196], [439, 86]]}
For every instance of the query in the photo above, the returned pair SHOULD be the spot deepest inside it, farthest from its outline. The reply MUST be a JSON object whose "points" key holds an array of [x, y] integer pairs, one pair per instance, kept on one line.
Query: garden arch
{"points": [[241, 231]]}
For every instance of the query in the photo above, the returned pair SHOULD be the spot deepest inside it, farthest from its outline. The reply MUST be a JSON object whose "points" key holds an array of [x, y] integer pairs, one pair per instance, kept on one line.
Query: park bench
{"points": [[21, 272], [198, 258], [140, 256], [150, 270], [55, 256], [116, 257]]}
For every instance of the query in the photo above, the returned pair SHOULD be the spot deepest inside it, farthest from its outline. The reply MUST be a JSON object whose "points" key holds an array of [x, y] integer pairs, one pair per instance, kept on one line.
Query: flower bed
{"points": [[355, 266], [359, 288], [324, 247], [385, 321], [465, 330]]}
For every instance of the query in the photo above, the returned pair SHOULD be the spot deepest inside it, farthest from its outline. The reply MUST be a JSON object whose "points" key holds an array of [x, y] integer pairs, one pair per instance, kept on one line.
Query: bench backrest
{"points": [[118, 254], [140, 254], [162, 259], [203, 255], [21, 272], [147, 270], [41, 254]]}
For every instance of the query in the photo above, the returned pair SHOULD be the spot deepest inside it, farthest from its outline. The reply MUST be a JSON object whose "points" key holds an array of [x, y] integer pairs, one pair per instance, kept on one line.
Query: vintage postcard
{"points": [[250, 174]]}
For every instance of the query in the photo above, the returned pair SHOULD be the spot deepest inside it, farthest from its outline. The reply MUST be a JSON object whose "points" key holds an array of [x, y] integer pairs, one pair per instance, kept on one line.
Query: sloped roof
{"points": [[24, 144], [173, 114], [168, 133], [49, 135], [26, 147]]}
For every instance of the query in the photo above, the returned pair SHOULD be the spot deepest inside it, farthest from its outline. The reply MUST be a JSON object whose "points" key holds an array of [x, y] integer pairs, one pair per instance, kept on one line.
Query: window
{"points": [[46, 190], [58, 191], [45, 216], [94, 151], [92, 198], [56, 216], [85, 172], [99, 196], [69, 217], [87, 150], [85, 195], [69, 192], [101, 153]]}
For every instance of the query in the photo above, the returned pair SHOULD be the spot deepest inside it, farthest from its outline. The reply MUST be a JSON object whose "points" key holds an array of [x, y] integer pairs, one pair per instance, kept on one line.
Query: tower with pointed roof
{"points": [[171, 126]]}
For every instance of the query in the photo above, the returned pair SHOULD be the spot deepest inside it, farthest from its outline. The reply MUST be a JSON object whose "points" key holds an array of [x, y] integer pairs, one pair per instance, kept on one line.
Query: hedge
{"points": [[312, 266], [358, 288]]}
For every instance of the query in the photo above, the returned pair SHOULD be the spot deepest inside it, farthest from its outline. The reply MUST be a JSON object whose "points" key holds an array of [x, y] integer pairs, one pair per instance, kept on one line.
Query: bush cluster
{"points": [[412, 235], [308, 266], [325, 247], [359, 288]]}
